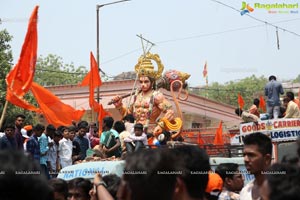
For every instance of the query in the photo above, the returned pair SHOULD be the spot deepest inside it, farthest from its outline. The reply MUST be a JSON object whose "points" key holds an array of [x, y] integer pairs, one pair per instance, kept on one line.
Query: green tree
{"points": [[5, 62], [52, 71], [297, 79], [250, 88]]}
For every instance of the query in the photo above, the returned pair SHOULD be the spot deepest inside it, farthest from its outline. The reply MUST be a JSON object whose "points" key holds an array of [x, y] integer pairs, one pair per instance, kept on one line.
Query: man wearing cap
{"points": [[214, 186]]}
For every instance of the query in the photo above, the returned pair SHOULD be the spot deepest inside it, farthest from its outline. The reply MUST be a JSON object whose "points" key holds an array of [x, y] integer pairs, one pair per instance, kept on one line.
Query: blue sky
{"points": [[186, 33]]}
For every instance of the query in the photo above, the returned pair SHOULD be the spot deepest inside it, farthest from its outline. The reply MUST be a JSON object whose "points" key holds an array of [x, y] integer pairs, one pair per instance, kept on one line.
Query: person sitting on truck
{"points": [[257, 158], [119, 126], [232, 179], [110, 143], [292, 110], [138, 140], [292, 97], [246, 116], [254, 108]]}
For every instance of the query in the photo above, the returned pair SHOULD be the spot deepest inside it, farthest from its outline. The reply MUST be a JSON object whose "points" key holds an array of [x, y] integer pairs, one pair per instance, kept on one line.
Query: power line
{"points": [[63, 72], [257, 19], [193, 37]]}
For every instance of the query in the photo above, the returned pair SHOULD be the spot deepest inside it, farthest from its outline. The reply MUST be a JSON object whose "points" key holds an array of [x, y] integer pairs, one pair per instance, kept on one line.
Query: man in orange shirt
{"points": [[254, 108]]}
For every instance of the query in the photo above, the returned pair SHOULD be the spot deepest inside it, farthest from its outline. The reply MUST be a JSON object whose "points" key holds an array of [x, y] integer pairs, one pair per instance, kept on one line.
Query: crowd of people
{"points": [[56, 148], [180, 173], [32, 155], [287, 108]]}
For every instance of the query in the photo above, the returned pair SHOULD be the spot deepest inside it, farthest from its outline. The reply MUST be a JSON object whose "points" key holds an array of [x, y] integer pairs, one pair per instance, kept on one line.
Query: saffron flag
{"points": [[19, 79], [55, 111], [262, 103], [205, 70], [241, 101], [19, 101], [219, 135], [93, 80]]}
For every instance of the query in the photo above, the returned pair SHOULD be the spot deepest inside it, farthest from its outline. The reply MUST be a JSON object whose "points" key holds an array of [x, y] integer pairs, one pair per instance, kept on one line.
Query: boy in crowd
{"points": [[109, 141], [53, 161], [83, 142], [65, 149], [32, 145], [136, 141], [76, 145], [43, 142]]}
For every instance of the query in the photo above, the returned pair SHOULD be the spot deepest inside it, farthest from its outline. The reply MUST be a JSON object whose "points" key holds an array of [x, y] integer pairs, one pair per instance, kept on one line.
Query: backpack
{"points": [[111, 141]]}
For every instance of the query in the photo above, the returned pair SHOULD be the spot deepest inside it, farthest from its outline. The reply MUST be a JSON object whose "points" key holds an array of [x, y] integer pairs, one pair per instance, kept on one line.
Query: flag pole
{"points": [[3, 113]]}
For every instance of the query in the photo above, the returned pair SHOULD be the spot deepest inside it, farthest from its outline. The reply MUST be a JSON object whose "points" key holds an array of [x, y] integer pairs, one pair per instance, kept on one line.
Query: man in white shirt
{"points": [[65, 149], [257, 158]]}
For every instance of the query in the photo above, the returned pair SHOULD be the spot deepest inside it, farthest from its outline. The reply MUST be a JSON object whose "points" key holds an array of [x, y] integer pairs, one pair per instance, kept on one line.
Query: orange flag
{"points": [[262, 103], [205, 70], [93, 80], [55, 111], [241, 101], [19, 79], [19, 101], [219, 135]]}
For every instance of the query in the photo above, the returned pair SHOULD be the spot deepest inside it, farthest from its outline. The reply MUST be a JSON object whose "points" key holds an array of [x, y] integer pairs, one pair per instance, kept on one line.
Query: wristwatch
{"points": [[100, 183]]}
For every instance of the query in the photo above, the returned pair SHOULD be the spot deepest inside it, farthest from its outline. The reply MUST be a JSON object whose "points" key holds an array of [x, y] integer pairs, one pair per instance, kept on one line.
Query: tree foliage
{"points": [[250, 88], [5, 62], [6, 59], [297, 79], [52, 71]]}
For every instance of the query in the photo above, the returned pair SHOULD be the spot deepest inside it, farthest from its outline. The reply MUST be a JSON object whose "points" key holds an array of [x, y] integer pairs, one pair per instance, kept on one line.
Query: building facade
{"points": [[198, 112]]}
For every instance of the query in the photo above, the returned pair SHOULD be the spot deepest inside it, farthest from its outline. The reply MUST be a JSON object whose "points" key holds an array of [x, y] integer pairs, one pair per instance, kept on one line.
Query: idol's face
{"points": [[145, 83]]}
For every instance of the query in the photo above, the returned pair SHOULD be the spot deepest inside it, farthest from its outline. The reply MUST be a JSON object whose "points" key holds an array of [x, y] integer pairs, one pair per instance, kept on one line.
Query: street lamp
{"points": [[98, 6]]}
